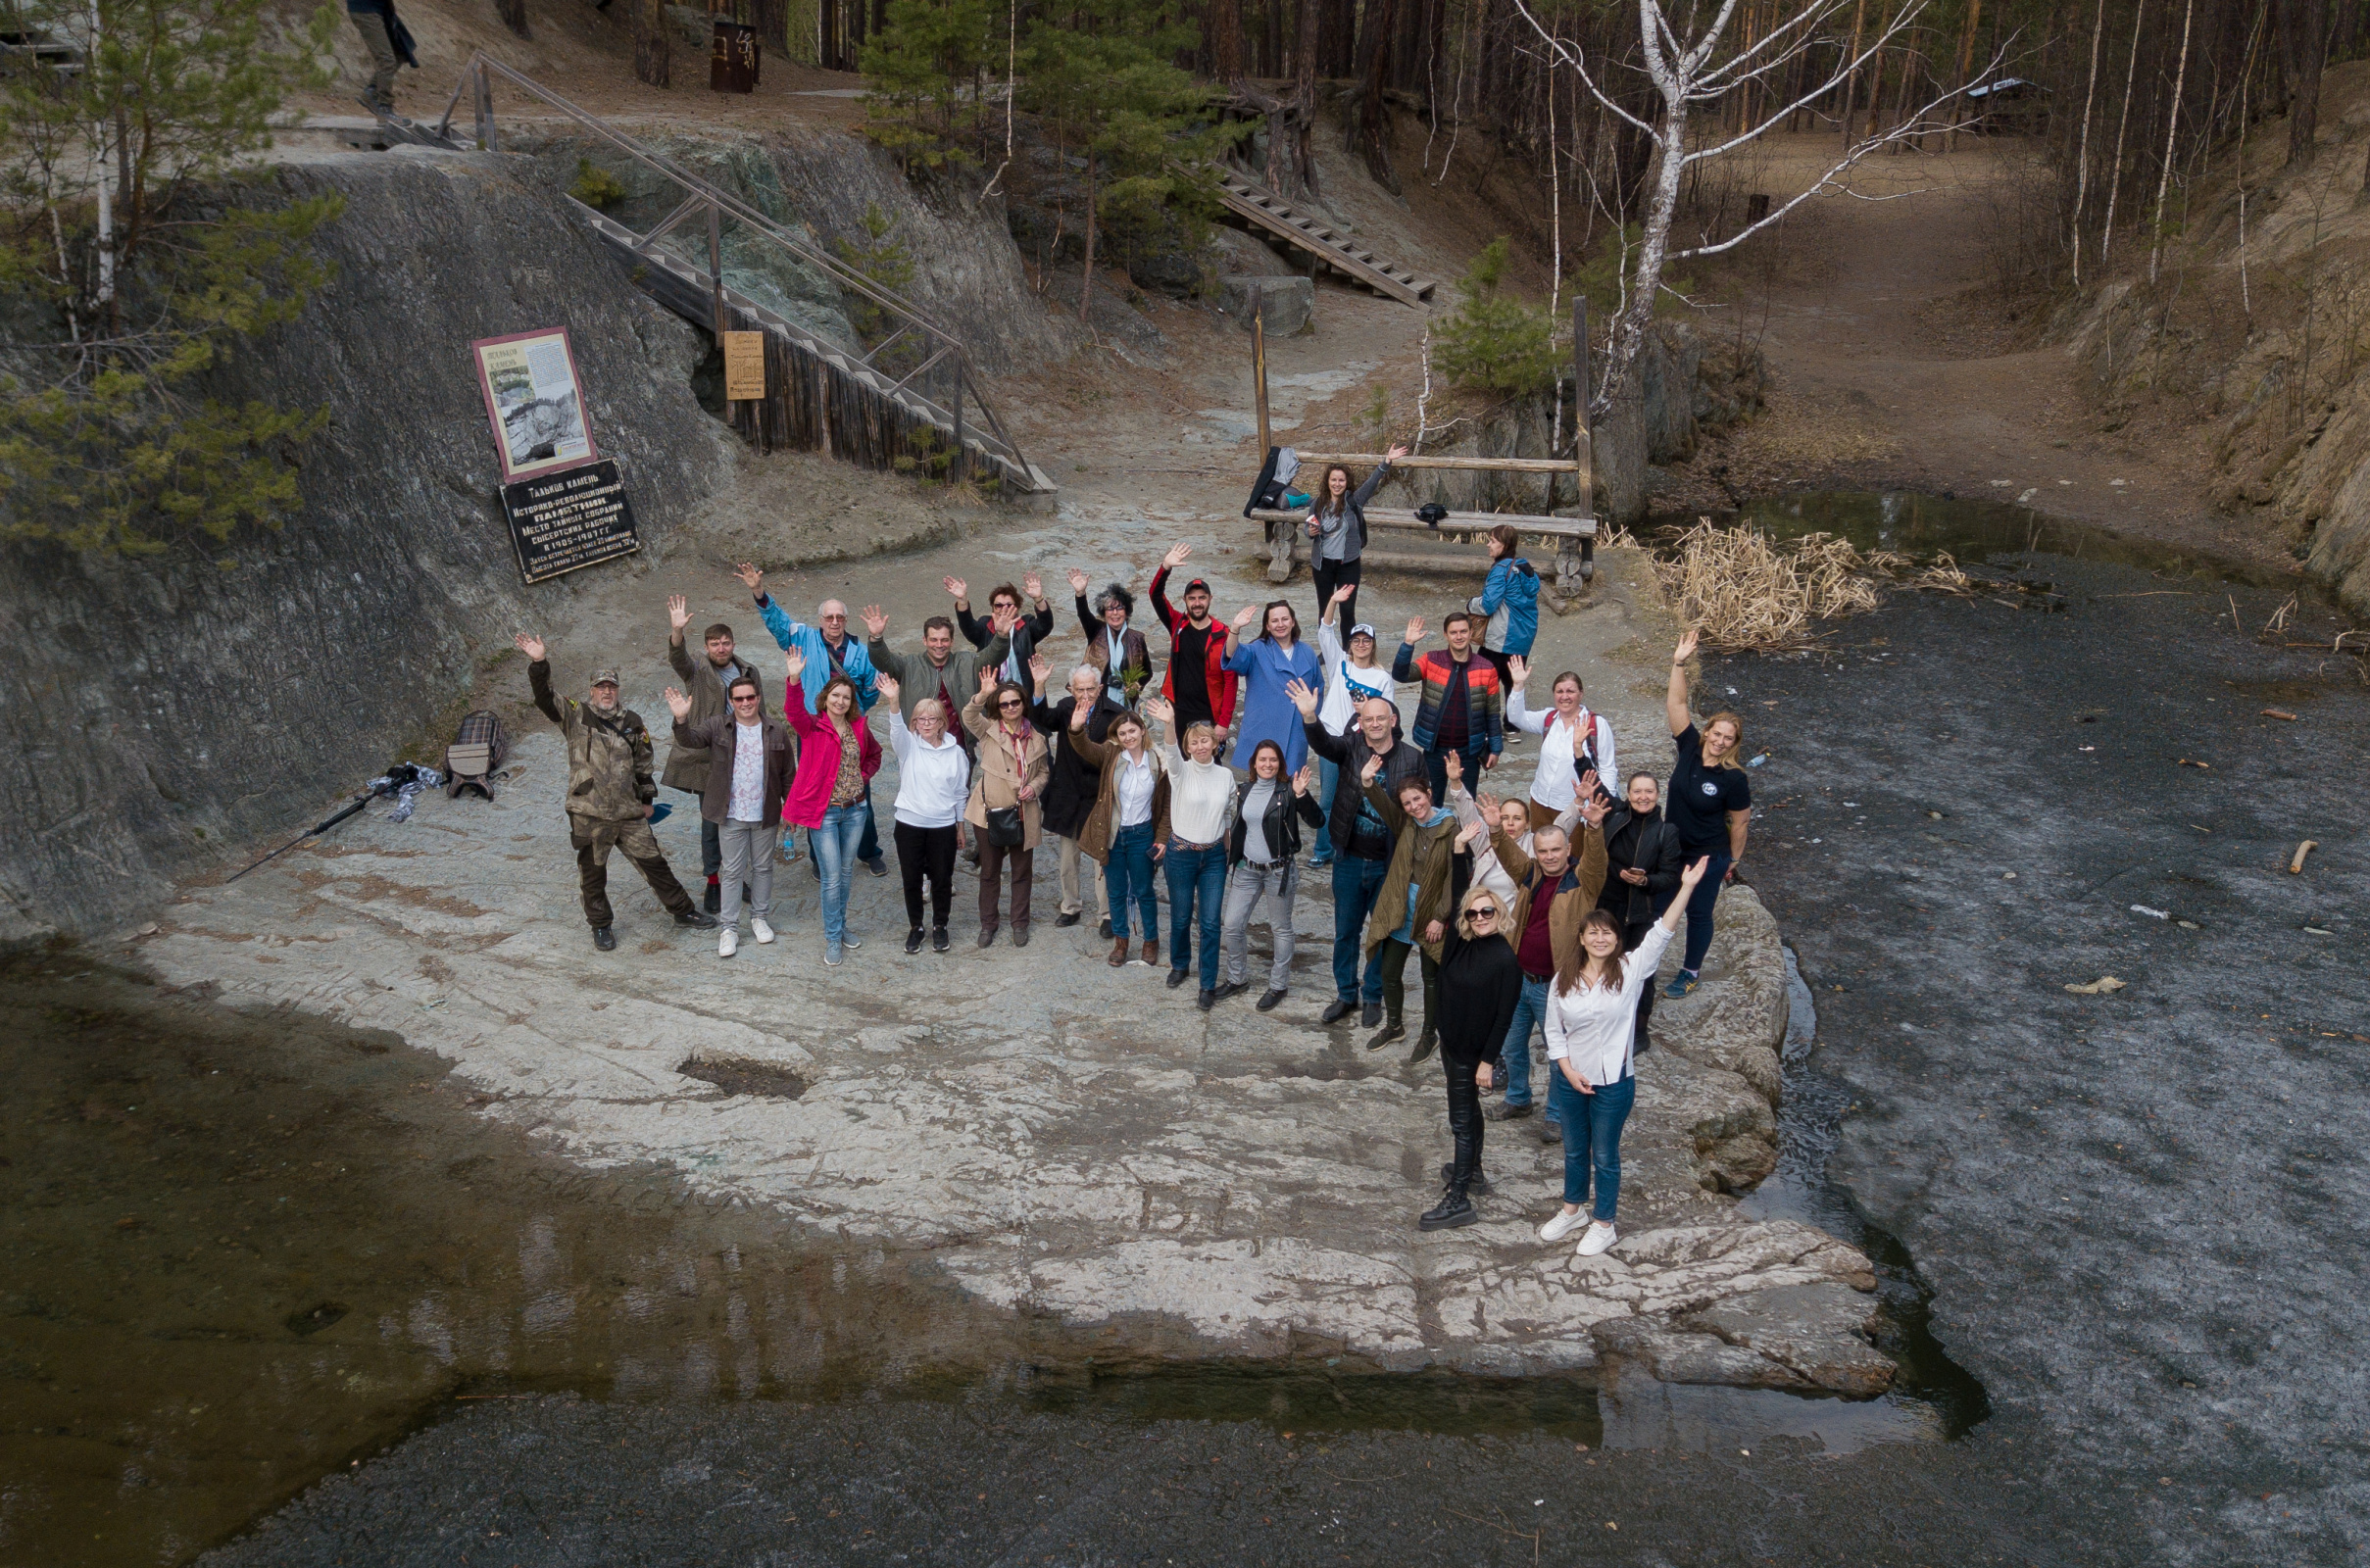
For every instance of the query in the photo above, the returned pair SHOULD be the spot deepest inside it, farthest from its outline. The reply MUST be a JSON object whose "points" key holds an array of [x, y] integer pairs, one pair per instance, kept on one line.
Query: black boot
{"points": [[1453, 1210], [1476, 1183], [605, 939], [1428, 1042]]}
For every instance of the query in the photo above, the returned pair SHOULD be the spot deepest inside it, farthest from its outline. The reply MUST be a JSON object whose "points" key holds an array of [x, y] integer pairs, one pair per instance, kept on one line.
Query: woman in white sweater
{"points": [[1591, 1008], [1201, 809], [933, 780]]}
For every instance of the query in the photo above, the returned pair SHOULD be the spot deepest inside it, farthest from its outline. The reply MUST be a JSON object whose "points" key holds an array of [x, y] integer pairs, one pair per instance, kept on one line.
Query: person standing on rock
{"points": [[1263, 857], [1350, 677], [1479, 986], [610, 795], [704, 684], [1269, 664], [1710, 804], [1360, 839], [1007, 809], [1071, 792], [933, 780], [1028, 629], [1574, 741], [1113, 646], [1421, 888], [1127, 831], [1592, 1054], [1554, 891], [1509, 602], [827, 644], [1198, 685], [1643, 862], [1337, 530], [837, 757], [748, 775], [1463, 709], [1200, 809]]}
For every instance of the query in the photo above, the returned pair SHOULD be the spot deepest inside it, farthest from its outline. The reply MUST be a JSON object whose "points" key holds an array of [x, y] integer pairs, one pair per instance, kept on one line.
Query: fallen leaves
{"points": [[2105, 985]]}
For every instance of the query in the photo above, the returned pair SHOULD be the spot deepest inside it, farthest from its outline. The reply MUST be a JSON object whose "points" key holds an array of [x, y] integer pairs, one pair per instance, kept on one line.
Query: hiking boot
{"points": [[1335, 1011], [914, 939], [1425, 1045], [697, 920], [1508, 1111], [1475, 1183], [1550, 1130], [938, 939], [713, 899], [1176, 977], [1385, 1035], [1371, 1016], [1067, 917], [1118, 954], [1151, 954], [1453, 1210], [1267, 1003], [605, 939], [1207, 1001]]}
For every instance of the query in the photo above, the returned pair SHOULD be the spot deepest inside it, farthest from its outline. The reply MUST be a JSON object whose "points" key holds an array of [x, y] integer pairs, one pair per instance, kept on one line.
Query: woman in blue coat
{"points": [[1269, 664], [1510, 600]]}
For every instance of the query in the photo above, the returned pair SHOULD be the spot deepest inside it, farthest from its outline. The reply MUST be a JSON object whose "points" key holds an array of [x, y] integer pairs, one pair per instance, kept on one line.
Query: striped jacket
{"points": [[1485, 697]]}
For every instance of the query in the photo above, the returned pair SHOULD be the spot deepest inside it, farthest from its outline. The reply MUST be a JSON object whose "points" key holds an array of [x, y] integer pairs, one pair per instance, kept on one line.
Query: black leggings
{"points": [[1331, 574], [1464, 1115], [930, 851]]}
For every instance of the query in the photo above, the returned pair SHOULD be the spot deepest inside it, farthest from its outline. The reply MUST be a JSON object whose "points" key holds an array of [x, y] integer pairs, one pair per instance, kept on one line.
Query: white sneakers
{"points": [[1563, 1225], [728, 942], [1601, 1236], [764, 932]]}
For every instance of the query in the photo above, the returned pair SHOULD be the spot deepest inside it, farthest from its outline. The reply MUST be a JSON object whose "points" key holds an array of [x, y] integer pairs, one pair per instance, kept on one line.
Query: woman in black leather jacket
{"points": [[1480, 983], [1263, 862]]}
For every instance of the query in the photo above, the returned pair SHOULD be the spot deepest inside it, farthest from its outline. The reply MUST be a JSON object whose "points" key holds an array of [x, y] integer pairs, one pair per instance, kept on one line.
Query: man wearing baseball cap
{"points": [[611, 788], [1198, 685]]}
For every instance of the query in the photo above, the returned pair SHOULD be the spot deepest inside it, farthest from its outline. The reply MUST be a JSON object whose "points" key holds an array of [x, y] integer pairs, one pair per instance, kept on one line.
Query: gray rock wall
{"points": [[161, 717]]}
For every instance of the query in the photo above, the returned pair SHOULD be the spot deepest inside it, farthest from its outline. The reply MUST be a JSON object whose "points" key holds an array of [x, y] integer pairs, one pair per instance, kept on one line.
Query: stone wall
{"points": [[164, 716]]}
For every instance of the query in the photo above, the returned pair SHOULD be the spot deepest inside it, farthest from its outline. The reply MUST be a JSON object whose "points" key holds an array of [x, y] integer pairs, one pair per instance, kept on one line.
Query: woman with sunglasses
{"points": [[1480, 983], [1591, 1013], [1015, 765]]}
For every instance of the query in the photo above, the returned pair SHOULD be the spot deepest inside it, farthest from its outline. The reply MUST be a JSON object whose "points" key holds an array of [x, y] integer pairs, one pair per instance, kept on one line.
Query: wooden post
{"points": [[1574, 569], [716, 271], [482, 84]]}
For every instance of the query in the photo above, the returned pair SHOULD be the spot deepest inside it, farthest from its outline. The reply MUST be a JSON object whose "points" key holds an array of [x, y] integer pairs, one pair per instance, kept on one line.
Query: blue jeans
{"points": [[1195, 875], [1328, 777], [1530, 1016], [836, 842], [869, 850], [1699, 907], [1357, 883], [1126, 874], [1592, 1137]]}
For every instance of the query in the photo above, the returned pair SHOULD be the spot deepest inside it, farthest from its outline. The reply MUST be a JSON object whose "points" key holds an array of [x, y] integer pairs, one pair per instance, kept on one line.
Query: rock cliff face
{"points": [[159, 713]]}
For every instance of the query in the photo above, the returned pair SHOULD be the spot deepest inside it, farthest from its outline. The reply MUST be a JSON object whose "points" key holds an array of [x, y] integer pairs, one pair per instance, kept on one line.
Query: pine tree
{"points": [[923, 78], [1493, 341]]}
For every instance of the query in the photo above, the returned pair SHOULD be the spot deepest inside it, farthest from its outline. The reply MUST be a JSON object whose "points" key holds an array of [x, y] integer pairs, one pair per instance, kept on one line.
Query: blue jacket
{"points": [[853, 659], [1514, 585]]}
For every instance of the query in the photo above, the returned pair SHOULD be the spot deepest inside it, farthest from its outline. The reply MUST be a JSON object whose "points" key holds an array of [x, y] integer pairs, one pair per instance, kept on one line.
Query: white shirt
{"points": [[1200, 798], [1556, 782], [1136, 778], [933, 782], [1596, 1027], [748, 802], [1339, 706]]}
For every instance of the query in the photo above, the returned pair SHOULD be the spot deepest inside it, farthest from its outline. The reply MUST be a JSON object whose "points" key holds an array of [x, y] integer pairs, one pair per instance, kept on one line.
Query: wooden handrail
{"points": [[1369, 460], [1457, 523]]}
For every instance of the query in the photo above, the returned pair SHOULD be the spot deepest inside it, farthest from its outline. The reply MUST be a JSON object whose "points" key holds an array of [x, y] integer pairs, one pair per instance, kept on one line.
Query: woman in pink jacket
{"points": [[837, 758]]}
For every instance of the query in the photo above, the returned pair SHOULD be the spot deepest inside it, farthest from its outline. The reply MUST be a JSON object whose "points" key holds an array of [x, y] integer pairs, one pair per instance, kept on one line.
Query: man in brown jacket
{"points": [[748, 773], [705, 682], [610, 791], [1539, 934]]}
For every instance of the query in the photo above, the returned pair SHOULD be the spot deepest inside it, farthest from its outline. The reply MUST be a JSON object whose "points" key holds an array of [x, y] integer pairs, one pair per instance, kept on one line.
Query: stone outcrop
{"points": [[1287, 302]]}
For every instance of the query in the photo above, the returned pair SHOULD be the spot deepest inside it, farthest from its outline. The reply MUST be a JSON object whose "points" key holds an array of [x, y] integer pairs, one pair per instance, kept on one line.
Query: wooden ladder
{"points": [[1263, 209]]}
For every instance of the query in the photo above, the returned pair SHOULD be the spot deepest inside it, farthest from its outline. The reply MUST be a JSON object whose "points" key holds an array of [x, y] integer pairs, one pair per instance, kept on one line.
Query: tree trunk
{"points": [[2344, 28], [1661, 206], [2172, 124], [1860, 11], [2304, 46], [651, 55], [1086, 284], [1227, 40], [1372, 133], [2082, 157], [2114, 167], [514, 16], [1298, 156]]}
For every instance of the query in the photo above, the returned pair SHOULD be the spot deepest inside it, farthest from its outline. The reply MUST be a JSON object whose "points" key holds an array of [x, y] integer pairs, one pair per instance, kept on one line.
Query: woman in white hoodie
{"points": [[933, 780], [1592, 1010], [1574, 739]]}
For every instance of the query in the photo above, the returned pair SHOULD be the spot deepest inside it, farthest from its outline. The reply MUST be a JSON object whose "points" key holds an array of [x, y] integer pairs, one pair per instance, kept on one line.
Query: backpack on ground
{"points": [[479, 748]]}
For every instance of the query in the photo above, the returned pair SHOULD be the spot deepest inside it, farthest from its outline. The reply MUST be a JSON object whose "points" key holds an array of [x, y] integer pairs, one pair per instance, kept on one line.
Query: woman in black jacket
{"points": [[1069, 796], [1262, 858], [1480, 984], [1643, 862]]}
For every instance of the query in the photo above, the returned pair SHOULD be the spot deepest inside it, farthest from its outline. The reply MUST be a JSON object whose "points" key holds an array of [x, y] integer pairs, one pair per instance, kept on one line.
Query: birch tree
{"points": [[1696, 72]]}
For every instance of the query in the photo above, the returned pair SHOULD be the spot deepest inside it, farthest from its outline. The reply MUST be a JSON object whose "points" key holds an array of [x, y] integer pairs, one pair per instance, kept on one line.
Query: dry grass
{"points": [[1742, 592]]}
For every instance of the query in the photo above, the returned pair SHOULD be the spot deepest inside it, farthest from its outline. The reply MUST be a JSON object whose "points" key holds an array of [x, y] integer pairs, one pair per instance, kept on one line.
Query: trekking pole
{"points": [[314, 832]]}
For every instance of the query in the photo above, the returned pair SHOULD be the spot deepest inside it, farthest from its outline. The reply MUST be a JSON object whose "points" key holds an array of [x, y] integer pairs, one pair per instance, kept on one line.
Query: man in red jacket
{"points": [[1199, 685]]}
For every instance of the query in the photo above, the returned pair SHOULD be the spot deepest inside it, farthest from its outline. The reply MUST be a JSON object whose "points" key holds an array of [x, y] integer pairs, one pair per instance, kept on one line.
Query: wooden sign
{"points": [[743, 365], [562, 521], [733, 58]]}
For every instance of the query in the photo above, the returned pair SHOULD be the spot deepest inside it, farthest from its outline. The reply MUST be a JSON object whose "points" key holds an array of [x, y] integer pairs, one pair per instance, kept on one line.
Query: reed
{"points": [[1744, 593]]}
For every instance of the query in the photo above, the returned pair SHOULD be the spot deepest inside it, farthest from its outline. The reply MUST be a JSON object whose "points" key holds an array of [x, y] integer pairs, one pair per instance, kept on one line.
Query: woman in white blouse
{"points": [[1574, 741], [1591, 1008]]}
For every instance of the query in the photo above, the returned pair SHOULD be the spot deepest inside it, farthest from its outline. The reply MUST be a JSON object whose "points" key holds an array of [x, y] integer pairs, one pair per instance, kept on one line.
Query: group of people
{"points": [[1543, 913]]}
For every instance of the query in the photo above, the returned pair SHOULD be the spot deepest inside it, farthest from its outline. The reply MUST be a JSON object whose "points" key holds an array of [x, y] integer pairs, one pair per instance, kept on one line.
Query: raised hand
{"points": [[1685, 648], [1304, 780], [1487, 804], [1372, 771], [1077, 581], [1302, 696], [1004, 618], [1079, 713], [987, 679], [888, 688], [1033, 586], [1518, 671], [1343, 593], [1176, 556], [678, 705], [678, 611], [1594, 810], [1157, 711], [795, 661], [1038, 668], [1415, 629], [1474, 831], [1243, 618], [1587, 785], [957, 587], [1456, 764], [531, 647], [875, 622], [1689, 877], [1396, 452], [751, 578]]}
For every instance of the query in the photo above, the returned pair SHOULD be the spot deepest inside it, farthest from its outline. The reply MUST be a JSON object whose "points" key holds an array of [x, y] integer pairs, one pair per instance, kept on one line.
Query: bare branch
{"points": [[1572, 56]]}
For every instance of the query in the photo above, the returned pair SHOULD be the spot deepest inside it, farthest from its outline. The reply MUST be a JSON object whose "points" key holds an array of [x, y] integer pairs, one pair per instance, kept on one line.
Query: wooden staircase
{"points": [[1264, 209]]}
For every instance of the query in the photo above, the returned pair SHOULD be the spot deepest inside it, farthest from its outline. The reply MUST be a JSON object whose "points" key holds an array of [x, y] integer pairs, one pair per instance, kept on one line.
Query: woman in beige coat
{"points": [[1012, 770]]}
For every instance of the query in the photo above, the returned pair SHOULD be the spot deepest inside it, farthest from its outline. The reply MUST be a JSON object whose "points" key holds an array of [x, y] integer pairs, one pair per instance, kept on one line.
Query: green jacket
{"points": [[917, 679], [687, 765], [609, 755], [1423, 857]]}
